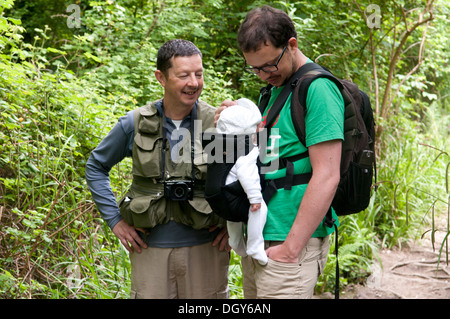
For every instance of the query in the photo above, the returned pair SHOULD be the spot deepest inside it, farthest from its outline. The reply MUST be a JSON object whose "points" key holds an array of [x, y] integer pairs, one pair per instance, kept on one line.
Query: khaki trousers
{"points": [[278, 280], [195, 272]]}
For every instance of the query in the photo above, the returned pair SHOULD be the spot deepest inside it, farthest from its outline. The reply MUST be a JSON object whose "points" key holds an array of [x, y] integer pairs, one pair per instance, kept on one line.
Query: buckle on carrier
{"points": [[270, 186]]}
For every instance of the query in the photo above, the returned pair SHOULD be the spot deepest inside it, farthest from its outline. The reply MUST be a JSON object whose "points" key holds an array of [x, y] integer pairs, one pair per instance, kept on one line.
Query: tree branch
{"points": [[416, 67], [386, 101], [152, 26]]}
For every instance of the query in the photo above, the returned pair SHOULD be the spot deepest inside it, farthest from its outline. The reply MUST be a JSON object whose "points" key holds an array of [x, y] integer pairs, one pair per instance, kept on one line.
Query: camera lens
{"points": [[179, 191]]}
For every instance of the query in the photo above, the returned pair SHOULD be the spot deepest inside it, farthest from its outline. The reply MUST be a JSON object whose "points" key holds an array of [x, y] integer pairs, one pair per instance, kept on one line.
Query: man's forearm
{"points": [[325, 162], [102, 194], [314, 206], [112, 149]]}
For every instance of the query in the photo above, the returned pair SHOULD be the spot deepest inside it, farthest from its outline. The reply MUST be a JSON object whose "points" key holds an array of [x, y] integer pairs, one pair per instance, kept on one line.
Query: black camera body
{"points": [[179, 190]]}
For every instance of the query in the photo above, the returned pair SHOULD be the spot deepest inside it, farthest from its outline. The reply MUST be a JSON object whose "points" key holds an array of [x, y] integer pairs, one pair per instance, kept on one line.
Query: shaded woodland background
{"points": [[70, 69]]}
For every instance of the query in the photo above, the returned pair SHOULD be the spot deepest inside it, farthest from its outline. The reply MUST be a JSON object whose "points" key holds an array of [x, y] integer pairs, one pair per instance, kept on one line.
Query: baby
{"points": [[244, 118]]}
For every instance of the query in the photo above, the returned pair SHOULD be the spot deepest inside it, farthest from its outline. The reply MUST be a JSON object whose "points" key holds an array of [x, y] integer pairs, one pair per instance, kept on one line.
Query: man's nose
{"points": [[193, 82], [263, 75]]}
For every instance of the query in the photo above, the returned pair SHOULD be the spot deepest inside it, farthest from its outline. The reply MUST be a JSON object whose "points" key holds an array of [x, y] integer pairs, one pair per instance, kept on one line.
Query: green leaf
{"points": [[93, 57]]}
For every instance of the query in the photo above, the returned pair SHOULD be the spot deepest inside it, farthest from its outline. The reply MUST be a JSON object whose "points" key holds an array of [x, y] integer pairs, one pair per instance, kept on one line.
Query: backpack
{"points": [[358, 151]]}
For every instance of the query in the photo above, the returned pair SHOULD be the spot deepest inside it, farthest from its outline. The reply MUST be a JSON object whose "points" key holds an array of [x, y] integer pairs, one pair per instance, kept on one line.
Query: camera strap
{"points": [[164, 145]]}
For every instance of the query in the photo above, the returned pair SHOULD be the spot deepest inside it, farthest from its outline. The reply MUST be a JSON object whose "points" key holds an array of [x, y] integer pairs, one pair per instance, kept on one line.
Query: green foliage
{"points": [[50, 121], [62, 89], [235, 276]]}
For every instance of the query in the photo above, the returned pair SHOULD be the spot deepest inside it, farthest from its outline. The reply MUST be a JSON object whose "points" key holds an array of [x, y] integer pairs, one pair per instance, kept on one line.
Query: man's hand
{"points": [[221, 239], [128, 237], [281, 253], [223, 106]]}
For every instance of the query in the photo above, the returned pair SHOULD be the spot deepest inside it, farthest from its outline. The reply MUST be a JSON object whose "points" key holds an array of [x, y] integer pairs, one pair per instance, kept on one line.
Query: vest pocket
{"points": [[200, 205], [147, 155], [144, 211], [197, 214]]}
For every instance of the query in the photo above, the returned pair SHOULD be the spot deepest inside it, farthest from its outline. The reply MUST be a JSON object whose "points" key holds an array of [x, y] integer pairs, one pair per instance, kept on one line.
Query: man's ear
{"points": [[293, 43], [160, 77]]}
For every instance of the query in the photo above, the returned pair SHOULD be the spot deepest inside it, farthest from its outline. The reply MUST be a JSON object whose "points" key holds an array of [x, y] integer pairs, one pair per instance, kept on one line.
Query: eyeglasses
{"points": [[268, 68]]}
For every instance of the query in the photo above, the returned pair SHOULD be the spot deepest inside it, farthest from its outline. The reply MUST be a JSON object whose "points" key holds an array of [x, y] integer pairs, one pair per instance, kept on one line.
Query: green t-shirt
{"points": [[324, 121]]}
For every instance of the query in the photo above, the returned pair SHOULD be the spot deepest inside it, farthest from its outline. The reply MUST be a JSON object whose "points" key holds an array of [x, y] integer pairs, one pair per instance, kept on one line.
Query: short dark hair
{"points": [[263, 25], [174, 48]]}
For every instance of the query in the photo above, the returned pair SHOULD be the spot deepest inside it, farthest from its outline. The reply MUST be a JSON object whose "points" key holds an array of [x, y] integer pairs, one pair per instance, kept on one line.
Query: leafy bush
{"points": [[50, 123], [62, 89]]}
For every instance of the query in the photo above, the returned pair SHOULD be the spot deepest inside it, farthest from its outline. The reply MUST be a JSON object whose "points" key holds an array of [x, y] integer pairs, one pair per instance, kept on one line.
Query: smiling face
{"points": [[183, 84]]}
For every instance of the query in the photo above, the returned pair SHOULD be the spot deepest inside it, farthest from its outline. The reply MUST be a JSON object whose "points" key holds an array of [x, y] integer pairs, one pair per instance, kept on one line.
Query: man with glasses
{"points": [[295, 235]]}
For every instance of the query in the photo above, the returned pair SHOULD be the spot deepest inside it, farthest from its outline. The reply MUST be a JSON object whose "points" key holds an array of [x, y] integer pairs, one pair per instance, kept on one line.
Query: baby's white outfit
{"points": [[243, 119]]}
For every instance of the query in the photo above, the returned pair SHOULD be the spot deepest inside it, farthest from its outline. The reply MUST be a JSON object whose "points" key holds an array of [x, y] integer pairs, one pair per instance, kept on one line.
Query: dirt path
{"points": [[407, 273]]}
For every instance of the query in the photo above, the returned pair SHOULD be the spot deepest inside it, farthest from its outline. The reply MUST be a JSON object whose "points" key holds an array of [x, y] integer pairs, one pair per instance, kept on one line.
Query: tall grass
{"points": [[49, 226]]}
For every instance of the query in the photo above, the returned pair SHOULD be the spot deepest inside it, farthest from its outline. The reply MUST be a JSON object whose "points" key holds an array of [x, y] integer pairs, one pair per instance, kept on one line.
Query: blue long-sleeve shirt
{"points": [[113, 149]]}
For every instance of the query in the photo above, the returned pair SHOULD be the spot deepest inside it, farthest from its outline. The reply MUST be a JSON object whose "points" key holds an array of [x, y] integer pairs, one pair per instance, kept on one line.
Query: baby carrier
{"points": [[227, 201]]}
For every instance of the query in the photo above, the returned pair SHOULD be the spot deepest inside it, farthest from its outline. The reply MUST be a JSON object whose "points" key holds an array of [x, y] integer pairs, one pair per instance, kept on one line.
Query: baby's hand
{"points": [[255, 207]]}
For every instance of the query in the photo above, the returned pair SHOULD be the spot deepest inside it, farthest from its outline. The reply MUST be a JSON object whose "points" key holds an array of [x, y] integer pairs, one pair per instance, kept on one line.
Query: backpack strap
{"points": [[265, 97], [281, 99], [290, 179], [298, 104]]}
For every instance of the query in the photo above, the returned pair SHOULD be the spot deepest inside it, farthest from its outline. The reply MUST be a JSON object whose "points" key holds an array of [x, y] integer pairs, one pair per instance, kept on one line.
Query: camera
{"points": [[179, 190]]}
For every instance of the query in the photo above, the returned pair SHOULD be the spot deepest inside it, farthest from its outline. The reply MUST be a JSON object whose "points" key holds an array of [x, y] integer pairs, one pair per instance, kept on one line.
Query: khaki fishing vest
{"points": [[144, 205]]}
